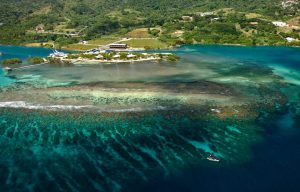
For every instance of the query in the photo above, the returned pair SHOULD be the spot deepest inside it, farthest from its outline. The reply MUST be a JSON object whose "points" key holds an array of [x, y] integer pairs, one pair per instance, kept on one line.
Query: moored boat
{"points": [[212, 157], [58, 54], [7, 69]]}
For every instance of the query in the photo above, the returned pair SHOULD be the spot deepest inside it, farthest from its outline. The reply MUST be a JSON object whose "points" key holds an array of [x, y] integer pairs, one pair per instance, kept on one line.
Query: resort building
{"points": [[116, 56], [130, 56], [118, 46], [99, 57]]}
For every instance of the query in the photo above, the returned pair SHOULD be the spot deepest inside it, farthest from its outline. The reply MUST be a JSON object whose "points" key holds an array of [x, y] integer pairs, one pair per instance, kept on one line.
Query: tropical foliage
{"points": [[67, 21]]}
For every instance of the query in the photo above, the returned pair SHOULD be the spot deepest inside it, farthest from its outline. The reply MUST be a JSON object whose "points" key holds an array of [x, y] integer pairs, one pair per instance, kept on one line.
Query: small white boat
{"points": [[1, 53], [7, 69], [58, 54], [213, 158]]}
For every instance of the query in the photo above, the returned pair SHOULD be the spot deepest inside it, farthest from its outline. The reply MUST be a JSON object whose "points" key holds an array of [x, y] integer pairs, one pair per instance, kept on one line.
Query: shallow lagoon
{"points": [[145, 126]]}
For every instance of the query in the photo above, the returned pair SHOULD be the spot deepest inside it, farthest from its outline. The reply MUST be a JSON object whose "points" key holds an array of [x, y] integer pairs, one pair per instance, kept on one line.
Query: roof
{"points": [[130, 55], [118, 44], [99, 56]]}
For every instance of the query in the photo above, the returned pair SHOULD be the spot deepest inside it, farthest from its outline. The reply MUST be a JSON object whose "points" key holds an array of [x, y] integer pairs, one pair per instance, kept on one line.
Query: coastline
{"points": [[171, 48], [176, 46], [95, 62]]}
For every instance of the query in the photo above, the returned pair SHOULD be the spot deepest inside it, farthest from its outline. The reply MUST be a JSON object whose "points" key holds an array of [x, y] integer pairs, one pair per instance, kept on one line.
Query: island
{"points": [[120, 54]]}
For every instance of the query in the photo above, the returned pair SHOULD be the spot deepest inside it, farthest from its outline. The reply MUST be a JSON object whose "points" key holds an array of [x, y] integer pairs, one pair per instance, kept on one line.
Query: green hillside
{"points": [[69, 21]]}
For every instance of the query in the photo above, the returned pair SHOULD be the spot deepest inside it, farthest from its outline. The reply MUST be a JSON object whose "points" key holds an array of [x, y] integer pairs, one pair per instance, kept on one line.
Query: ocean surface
{"points": [[151, 126]]}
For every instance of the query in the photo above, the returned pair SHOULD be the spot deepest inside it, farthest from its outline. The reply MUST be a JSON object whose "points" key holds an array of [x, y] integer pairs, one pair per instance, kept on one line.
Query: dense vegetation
{"points": [[12, 61], [35, 60], [67, 21]]}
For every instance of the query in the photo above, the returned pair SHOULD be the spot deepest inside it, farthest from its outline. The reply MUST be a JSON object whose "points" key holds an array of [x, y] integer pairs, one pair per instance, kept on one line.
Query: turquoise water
{"points": [[150, 126], [22, 52], [18, 52], [5, 81]]}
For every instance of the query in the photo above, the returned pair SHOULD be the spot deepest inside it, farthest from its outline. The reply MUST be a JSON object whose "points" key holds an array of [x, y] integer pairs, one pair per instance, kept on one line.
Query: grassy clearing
{"points": [[147, 43], [103, 41], [138, 33], [79, 47], [294, 21], [44, 44], [62, 27], [42, 11], [33, 44]]}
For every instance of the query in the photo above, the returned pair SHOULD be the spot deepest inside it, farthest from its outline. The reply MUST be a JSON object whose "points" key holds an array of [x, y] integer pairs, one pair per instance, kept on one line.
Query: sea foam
{"points": [[26, 105]]}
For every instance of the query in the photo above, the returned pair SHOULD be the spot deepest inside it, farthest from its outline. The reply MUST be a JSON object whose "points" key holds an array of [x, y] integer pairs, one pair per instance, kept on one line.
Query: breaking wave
{"points": [[25, 105]]}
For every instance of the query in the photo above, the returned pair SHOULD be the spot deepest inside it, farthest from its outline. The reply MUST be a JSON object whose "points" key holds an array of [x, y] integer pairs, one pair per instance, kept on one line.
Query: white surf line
{"points": [[23, 104], [29, 66], [27, 105]]}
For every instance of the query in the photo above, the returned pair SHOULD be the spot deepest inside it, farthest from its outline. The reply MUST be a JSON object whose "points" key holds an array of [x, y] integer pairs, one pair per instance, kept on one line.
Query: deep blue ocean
{"points": [[274, 168], [274, 165]]}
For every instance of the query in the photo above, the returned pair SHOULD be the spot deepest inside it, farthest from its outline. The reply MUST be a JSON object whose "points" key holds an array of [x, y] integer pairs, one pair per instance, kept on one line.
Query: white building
{"points": [[187, 18], [203, 14], [279, 23], [99, 57], [116, 56], [215, 19], [130, 56], [83, 42], [290, 39]]}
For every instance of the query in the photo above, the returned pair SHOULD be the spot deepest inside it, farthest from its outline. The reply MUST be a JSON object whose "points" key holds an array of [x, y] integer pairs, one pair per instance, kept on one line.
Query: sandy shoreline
{"points": [[95, 62]]}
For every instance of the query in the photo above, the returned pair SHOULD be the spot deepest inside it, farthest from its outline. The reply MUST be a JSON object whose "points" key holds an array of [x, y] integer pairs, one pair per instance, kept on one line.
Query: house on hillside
{"points": [[204, 14], [83, 42], [279, 23], [290, 39], [253, 23], [215, 19], [40, 28], [187, 18]]}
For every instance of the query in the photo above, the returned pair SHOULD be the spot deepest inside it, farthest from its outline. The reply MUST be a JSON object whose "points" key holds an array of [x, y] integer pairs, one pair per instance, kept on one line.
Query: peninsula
{"points": [[97, 56]]}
